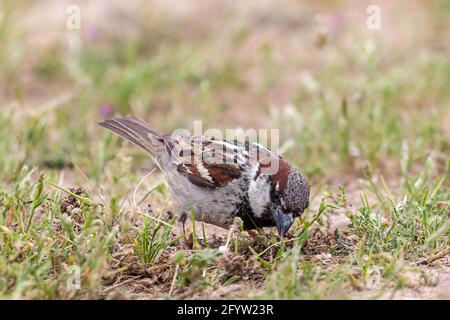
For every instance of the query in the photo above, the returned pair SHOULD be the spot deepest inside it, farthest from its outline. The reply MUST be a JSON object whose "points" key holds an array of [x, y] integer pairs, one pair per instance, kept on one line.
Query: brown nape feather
{"points": [[135, 131], [281, 176]]}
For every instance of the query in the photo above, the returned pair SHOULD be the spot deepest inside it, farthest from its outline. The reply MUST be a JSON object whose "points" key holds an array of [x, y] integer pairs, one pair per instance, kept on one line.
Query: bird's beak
{"points": [[282, 219]]}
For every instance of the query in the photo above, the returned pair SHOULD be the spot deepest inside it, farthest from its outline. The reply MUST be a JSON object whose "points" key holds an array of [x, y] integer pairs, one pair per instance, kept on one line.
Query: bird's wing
{"points": [[210, 163]]}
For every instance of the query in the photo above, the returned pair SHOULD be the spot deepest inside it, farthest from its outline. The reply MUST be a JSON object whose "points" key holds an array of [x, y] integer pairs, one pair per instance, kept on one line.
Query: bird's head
{"points": [[282, 194], [289, 200]]}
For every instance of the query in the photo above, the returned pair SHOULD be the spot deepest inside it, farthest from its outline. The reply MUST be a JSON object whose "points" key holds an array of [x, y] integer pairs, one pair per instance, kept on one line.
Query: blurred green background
{"points": [[341, 94]]}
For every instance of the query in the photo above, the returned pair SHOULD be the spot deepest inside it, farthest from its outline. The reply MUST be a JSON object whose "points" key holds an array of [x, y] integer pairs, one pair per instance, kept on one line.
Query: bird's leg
{"points": [[181, 217], [181, 220]]}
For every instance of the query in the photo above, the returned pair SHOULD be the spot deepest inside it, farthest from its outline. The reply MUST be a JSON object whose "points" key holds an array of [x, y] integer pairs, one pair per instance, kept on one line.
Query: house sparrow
{"points": [[220, 180]]}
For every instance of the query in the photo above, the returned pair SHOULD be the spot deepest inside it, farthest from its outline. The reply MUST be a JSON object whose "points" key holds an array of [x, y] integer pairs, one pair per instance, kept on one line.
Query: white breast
{"points": [[259, 193]]}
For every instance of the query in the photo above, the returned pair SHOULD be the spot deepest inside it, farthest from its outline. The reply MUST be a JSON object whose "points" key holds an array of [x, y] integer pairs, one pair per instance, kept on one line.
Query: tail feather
{"points": [[137, 132]]}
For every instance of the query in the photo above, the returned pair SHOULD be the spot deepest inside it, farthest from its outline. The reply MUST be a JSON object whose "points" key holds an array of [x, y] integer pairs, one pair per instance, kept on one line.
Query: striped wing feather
{"points": [[210, 163]]}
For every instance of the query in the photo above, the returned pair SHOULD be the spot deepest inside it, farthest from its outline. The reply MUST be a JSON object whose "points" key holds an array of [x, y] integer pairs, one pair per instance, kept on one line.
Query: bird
{"points": [[219, 180]]}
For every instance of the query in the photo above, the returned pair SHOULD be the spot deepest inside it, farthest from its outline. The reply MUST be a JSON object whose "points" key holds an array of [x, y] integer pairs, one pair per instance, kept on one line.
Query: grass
{"points": [[369, 128]]}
